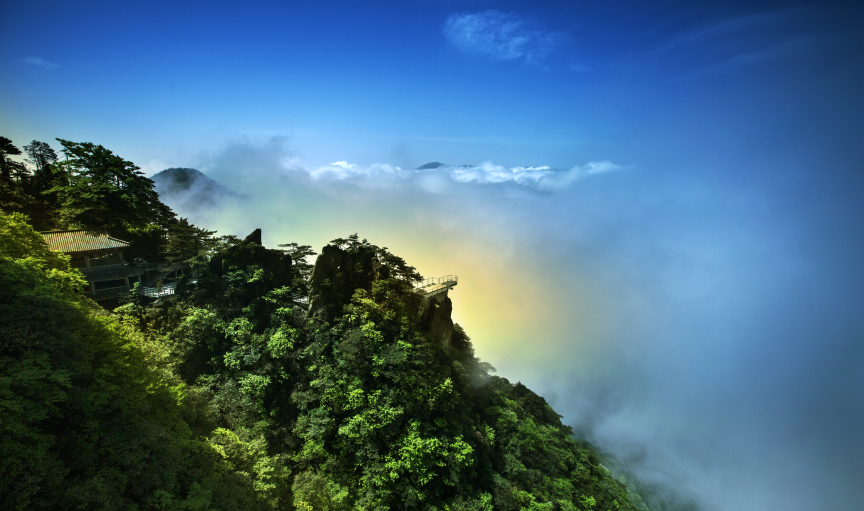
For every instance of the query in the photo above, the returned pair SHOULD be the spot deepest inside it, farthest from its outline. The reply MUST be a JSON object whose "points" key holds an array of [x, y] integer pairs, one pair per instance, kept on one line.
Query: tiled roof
{"points": [[81, 241]]}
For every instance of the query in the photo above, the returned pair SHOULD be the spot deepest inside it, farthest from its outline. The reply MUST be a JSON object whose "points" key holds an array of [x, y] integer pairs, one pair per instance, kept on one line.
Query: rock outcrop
{"points": [[250, 252], [435, 319], [338, 273]]}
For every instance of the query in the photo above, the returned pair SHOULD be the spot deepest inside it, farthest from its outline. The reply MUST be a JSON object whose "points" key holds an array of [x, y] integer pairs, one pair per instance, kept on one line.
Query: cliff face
{"points": [[338, 273], [435, 319]]}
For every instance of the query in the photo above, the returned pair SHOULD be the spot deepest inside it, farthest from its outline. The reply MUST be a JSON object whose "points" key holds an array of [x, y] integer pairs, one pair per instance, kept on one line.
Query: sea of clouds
{"points": [[541, 178]]}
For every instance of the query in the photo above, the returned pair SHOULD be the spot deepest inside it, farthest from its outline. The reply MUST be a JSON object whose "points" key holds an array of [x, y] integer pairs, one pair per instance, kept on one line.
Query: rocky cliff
{"points": [[338, 273], [250, 252]]}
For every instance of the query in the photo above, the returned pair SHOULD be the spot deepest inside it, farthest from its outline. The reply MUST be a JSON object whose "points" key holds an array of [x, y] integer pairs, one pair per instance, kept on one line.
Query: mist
{"points": [[703, 331]]}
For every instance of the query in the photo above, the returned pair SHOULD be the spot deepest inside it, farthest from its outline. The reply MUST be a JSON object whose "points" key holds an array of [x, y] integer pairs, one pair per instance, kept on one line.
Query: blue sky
{"points": [[516, 83], [660, 227]]}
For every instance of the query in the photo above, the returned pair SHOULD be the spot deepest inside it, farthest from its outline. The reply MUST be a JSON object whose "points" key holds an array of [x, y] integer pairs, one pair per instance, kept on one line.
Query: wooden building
{"points": [[100, 259]]}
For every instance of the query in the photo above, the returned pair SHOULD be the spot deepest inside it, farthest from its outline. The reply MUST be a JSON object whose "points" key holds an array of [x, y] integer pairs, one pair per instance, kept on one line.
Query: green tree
{"points": [[222, 243], [41, 156], [98, 189], [16, 189], [7, 165], [187, 242], [300, 255], [397, 266], [28, 247]]}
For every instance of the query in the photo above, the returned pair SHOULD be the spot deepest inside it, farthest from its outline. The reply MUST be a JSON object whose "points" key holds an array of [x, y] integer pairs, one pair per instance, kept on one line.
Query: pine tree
{"points": [[7, 165], [186, 241], [98, 189], [41, 156]]}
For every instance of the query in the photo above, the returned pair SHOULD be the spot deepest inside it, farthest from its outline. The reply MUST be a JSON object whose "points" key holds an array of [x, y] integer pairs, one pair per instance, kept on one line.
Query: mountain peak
{"points": [[431, 165], [186, 189]]}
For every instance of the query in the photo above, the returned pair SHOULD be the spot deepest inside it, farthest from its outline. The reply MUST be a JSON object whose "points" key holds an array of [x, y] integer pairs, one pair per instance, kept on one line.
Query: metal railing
{"points": [[432, 281], [436, 286], [156, 292]]}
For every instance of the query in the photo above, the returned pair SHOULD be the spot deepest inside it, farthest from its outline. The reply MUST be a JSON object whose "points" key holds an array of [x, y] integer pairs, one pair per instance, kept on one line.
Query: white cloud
{"points": [[500, 35], [541, 178], [342, 170], [488, 172], [554, 181], [40, 62]]}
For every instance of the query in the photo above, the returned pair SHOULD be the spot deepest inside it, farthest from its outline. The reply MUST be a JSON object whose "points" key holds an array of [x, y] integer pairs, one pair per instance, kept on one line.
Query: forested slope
{"points": [[232, 393], [263, 383]]}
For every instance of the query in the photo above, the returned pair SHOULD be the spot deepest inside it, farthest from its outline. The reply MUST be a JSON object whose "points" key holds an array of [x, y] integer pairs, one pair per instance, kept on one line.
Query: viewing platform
{"points": [[435, 286]]}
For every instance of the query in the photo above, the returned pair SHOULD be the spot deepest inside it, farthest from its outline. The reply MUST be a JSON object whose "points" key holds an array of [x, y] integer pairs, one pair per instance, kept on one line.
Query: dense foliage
{"points": [[86, 422], [238, 393]]}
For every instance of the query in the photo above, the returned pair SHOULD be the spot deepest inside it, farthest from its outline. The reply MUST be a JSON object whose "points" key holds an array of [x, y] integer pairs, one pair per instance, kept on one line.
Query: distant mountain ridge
{"points": [[431, 165], [188, 189], [437, 164]]}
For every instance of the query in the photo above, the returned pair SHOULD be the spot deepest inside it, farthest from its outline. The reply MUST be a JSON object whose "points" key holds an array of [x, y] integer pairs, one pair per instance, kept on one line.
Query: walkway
{"points": [[432, 286]]}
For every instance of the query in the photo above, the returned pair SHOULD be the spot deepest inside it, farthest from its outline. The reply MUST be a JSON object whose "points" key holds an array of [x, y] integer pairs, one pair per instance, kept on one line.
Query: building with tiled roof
{"points": [[82, 241], [99, 257]]}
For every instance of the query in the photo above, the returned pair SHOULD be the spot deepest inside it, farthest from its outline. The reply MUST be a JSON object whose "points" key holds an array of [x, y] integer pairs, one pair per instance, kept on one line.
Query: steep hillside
{"points": [[245, 391], [369, 397]]}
